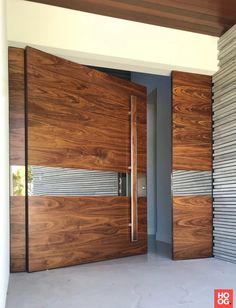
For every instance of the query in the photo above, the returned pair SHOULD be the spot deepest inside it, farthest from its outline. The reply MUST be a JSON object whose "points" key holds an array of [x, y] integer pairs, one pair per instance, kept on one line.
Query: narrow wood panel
{"points": [[17, 155], [192, 227], [213, 17], [17, 234], [17, 106], [192, 151], [191, 121], [65, 231], [79, 117]]}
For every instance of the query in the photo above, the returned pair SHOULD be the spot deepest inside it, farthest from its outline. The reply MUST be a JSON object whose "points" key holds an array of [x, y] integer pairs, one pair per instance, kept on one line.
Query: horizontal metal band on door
{"points": [[54, 181], [191, 183], [224, 146]]}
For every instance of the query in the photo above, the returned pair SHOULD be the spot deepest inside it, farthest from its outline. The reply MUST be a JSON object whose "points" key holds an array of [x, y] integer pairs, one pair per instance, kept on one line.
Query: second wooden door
{"points": [[191, 165]]}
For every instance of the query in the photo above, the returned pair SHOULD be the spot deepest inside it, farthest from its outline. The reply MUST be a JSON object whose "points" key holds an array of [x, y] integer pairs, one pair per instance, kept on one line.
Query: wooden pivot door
{"points": [[191, 165], [86, 141]]}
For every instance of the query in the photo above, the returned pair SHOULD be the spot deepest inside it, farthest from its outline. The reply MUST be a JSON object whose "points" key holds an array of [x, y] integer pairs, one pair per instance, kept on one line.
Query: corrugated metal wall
{"points": [[224, 136]]}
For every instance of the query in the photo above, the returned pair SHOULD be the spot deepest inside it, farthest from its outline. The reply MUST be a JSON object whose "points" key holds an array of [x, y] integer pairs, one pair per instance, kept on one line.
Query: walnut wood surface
{"points": [[17, 234], [192, 227], [17, 106], [191, 121], [17, 155], [211, 17], [79, 117], [192, 200], [65, 231], [191, 150]]}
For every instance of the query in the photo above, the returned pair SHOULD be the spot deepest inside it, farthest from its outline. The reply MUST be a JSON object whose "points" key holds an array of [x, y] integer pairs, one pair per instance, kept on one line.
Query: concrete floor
{"points": [[151, 281]]}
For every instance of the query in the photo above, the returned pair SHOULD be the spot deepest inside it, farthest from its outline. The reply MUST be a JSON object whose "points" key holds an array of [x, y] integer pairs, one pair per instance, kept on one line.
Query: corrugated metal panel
{"points": [[224, 162], [52, 181], [191, 183]]}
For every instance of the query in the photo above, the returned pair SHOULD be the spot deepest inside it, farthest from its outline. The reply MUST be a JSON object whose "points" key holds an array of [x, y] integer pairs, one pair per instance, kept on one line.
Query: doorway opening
{"points": [[159, 168]]}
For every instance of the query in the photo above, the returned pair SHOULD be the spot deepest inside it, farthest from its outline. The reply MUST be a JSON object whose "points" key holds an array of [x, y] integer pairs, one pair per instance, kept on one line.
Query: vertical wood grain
{"points": [[17, 155]]}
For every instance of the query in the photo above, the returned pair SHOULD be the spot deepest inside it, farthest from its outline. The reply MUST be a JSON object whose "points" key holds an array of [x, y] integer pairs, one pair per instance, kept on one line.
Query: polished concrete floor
{"points": [[151, 281]]}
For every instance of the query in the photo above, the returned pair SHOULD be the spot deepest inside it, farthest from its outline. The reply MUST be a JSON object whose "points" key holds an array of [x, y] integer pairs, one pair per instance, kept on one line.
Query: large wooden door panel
{"points": [[79, 118], [72, 230], [191, 165]]}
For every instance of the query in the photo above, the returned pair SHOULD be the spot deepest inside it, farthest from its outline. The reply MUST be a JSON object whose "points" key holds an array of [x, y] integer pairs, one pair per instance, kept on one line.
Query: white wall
{"points": [[4, 187], [105, 41]]}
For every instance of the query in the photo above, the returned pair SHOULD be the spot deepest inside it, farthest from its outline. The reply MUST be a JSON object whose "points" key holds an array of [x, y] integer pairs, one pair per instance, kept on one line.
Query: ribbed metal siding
{"points": [[224, 162], [52, 181], [191, 183]]}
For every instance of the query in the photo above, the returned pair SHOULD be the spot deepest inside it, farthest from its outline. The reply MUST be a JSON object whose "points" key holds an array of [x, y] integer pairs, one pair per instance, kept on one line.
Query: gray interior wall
{"points": [[158, 153], [151, 162], [164, 169]]}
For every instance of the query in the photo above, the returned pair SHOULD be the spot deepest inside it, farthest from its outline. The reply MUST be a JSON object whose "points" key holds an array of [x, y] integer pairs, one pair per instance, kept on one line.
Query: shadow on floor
{"points": [[161, 249]]}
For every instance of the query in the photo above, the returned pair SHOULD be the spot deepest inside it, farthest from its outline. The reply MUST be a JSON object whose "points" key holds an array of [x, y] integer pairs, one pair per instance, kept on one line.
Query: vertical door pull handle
{"points": [[134, 144]]}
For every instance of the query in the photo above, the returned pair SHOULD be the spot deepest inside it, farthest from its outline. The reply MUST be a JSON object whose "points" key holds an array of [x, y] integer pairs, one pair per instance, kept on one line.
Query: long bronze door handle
{"points": [[134, 143]]}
